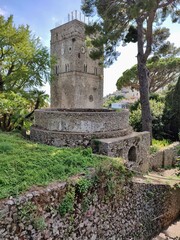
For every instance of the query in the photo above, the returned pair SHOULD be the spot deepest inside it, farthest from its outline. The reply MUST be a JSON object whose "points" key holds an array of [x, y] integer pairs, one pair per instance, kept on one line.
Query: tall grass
{"points": [[24, 164]]}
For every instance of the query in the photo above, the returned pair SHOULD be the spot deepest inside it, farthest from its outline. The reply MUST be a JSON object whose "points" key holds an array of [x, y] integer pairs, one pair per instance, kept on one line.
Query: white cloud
{"points": [[3, 12]]}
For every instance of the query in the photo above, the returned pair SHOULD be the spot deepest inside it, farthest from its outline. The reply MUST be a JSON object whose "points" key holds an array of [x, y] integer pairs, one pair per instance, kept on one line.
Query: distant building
{"points": [[128, 93], [130, 96]]}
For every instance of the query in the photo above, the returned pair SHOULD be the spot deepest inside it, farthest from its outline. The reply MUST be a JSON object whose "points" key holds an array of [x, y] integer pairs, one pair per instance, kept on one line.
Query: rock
{"points": [[94, 237], [10, 202], [30, 227], [2, 230]]}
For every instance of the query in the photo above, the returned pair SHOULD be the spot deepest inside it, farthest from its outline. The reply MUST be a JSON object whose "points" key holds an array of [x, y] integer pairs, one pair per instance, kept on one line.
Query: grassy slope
{"points": [[24, 163]]}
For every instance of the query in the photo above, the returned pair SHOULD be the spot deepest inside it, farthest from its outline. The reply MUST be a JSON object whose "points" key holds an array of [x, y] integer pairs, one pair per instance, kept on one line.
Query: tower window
{"points": [[79, 55], [85, 68], [73, 39], [56, 36], [91, 98], [95, 71], [56, 70], [67, 68]]}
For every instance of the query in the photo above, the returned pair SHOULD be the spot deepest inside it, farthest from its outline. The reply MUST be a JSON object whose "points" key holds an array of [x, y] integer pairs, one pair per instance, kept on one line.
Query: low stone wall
{"points": [[164, 157], [81, 121], [70, 139], [77, 127], [138, 212]]}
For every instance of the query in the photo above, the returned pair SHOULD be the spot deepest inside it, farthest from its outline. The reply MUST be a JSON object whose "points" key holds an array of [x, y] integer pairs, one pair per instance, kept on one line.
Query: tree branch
{"points": [[35, 107], [2, 53], [149, 32], [162, 5], [10, 70], [1, 83]]}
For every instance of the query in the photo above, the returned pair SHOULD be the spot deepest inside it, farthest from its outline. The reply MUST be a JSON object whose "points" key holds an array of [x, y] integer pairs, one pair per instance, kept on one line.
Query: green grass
{"points": [[24, 164], [158, 144]]}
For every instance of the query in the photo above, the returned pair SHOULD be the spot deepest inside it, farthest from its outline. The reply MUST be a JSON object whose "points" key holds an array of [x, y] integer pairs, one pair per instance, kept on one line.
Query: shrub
{"points": [[158, 144], [16, 109], [171, 115], [112, 99], [157, 108]]}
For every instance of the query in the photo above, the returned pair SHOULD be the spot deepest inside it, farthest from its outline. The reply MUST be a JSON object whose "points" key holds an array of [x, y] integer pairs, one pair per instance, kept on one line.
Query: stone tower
{"points": [[78, 80]]}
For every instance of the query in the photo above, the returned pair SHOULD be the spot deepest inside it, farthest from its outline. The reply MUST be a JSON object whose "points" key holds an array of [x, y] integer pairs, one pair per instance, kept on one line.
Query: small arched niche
{"points": [[132, 156]]}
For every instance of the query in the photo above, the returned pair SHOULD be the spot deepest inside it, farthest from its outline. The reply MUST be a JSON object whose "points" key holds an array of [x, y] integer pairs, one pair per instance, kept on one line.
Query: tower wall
{"points": [[78, 80]]}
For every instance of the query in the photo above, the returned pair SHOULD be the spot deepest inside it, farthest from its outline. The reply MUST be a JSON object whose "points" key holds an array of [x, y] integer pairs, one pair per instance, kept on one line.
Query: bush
{"points": [[165, 111], [171, 115], [13, 109], [16, 109], [112, 99], [157, 108]]}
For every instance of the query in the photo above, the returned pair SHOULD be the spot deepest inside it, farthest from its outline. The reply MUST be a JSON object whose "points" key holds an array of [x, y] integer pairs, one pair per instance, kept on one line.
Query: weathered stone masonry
{"points": [[76, 117], [140, 212], [166, 157], [107, 132], [78, 80]]}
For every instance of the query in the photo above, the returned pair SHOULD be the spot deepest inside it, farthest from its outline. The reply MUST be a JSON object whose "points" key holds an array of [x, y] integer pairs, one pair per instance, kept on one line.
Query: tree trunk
{"points": [[143, 76], [1, 84]]}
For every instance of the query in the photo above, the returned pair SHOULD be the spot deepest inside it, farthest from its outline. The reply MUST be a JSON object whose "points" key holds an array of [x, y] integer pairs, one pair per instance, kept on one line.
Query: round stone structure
{"points": [[74, 127], [82, 120]]}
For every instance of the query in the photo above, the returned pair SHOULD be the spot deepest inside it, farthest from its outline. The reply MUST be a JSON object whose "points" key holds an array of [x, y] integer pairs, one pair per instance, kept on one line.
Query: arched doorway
{"points": [[132, 154]]}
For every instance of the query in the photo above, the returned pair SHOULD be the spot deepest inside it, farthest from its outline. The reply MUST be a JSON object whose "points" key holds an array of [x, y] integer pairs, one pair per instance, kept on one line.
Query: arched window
{"points": [[56, 70], [85, 68], [68, 68], [56, 36], [95, 71]]}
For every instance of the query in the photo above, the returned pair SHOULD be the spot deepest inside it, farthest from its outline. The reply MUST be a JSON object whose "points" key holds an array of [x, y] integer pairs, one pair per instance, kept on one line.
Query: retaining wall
{"points": [[138, 212], [165, 157]]}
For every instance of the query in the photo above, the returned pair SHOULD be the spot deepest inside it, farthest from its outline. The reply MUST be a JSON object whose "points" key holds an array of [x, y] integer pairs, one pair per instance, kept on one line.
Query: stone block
{"points": [[168, 157], [133, 148], [170, 153], [156, 160]]}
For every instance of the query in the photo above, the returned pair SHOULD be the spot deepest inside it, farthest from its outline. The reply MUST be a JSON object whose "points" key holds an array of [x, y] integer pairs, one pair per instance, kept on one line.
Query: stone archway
{"points": [[132, 156]]}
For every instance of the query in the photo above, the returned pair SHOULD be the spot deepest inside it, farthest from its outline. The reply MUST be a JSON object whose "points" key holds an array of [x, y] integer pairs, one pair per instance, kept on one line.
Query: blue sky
{"points": [[40, 15], [43, 15]]}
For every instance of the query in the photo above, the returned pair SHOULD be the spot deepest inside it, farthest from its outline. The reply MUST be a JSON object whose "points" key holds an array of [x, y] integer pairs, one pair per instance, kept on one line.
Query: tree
{"points": [[130, 20], [157, 104], [16, 110], [172, 111], [112, 99], [24, 67], [24, 62], [162, 72]]}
